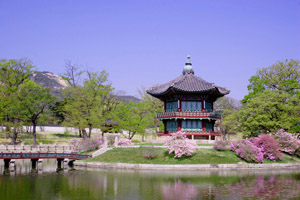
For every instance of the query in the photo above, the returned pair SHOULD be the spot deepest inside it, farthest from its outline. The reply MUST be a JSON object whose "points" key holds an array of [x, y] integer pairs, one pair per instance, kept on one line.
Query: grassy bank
{"points": [[136, 155], [201, 156]]}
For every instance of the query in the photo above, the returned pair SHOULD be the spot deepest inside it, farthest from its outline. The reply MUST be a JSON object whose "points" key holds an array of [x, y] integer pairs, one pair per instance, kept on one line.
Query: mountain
{"points": [[128, 98], [49, 80], [56, 83]]}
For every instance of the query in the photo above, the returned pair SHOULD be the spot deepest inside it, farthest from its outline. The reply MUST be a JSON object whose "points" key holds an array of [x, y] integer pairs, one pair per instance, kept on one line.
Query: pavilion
{"points": [[189, 105]]}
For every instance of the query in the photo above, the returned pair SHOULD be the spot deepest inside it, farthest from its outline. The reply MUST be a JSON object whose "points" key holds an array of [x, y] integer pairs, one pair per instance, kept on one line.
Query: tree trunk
{"points": [[14, 137], [130, 137], [143, 138], [102, 135], [34, 133], [83, 131], [90, 130], [80, 135]]}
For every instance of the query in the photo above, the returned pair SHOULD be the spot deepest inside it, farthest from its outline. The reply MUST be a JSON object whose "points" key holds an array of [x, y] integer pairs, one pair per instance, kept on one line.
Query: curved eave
{"points": [[220, 91]]}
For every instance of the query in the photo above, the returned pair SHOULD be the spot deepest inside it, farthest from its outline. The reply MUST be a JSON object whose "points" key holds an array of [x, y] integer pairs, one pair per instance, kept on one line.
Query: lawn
{"points": [[136, 155], [201, 156]]}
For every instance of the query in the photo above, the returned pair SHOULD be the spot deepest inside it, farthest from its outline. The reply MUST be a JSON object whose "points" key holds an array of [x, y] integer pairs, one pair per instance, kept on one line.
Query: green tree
{"points": [[133, 117], [282, 76], [34, 101], [86, 105], [155, 106], [229, 122], [13, 74], [273, 99], [269, 111]]}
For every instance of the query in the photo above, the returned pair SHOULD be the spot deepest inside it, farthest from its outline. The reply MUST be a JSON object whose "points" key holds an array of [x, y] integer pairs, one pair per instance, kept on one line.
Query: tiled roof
{"points": [[187, 82]]}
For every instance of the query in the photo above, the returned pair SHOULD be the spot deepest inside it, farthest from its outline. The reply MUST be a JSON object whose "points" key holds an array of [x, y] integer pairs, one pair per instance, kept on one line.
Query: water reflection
{"points": [[165, 185]]}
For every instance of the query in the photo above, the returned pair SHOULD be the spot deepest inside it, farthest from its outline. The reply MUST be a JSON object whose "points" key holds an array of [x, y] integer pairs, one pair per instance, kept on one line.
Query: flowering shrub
{"points": [[221, 145], [87, 144], [247, 151], [180, 145], [288, 142], [124, 142], [268, 145], [150, 153]]}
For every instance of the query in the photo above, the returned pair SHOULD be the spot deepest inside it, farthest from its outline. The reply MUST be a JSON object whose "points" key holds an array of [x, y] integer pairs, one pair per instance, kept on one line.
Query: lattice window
{"points": [[191, 106], [208, 107], [191, 125], [172, 125], [209, 126], [171, 106]]}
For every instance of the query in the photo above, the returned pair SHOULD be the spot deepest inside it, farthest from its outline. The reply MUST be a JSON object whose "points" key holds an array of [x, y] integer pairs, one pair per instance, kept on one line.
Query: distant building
{"points": [[188, 104]]}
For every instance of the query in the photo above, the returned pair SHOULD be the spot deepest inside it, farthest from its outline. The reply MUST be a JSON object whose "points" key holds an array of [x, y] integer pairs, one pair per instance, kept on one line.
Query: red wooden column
{"points": [[179, 105], [203, 126], [179, 125], [165, 127]]}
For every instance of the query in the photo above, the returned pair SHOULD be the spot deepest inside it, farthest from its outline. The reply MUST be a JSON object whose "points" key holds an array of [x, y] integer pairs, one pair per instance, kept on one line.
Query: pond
{"points": [[24, 183]]}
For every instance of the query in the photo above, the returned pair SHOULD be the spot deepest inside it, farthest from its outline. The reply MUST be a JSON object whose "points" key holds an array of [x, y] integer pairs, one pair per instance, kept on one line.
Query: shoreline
{"points": [[192, 167]]}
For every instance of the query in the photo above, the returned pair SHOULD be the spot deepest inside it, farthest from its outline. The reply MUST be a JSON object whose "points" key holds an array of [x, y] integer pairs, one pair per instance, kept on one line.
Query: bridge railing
{"points": [[30, 148], [22, 155]]}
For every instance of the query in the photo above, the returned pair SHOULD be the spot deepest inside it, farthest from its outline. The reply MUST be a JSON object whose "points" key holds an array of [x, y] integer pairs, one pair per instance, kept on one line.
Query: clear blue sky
{"points": [[142, 43]]}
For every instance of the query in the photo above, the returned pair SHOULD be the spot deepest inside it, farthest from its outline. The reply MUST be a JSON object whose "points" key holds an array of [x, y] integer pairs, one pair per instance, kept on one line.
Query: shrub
{"points": [[180, 145], [66, 132], [287, 141], [87, 144], [221, 145], [124, 142], [268, 145], [111, 139], [135, 141], [150, 153], [247, 151]]}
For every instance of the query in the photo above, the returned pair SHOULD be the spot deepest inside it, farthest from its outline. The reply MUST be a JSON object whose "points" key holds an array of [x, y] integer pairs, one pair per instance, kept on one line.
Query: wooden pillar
{"points": [[165, 127], [179, 105], [179, 125], [192, 137], [209, 137], [165, 106], [203, 126], [203, 106]]}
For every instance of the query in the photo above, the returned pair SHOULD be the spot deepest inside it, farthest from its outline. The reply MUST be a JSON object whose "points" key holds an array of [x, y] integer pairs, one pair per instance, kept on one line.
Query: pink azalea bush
{"points": [[88, 144], [268, 145], [288, 142], [220, 145], [247, 151], [180, 145], [124, 142]]}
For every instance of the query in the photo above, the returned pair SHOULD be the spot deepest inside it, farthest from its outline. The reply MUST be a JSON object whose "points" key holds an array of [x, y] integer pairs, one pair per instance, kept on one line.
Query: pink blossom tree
{"points": [[180, 145]]}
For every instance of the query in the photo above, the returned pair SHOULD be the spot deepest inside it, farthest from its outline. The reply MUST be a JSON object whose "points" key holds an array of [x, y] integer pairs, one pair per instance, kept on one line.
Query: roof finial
{"points": [[188, 69], [188, 60]]}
